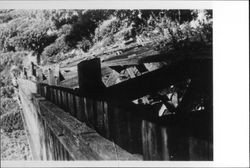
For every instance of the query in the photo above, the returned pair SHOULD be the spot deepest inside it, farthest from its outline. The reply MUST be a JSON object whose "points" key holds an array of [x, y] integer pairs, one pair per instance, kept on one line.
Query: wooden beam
{"points": [[89, 77], [155, 80]]}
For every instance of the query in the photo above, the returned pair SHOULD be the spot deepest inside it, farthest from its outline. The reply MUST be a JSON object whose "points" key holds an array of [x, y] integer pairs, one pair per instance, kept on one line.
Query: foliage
{"points": [[7, 91], [34, 38], [84, 44], [25, 30], [55, 32], [11, 122], [64, 17], [14, 146], [8, 59], [145, 25], [107, 28], [58, 46]]}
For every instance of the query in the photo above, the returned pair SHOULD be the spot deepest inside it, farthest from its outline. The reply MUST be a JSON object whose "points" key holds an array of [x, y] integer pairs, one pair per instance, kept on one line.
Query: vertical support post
{"points": [[56, 74], [51, 79], [90, 78], [39, 74], [33, 70]]}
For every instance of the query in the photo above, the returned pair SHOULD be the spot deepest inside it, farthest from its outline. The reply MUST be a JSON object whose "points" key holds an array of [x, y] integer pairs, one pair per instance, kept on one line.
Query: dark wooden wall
{"points": [[136, 128]]}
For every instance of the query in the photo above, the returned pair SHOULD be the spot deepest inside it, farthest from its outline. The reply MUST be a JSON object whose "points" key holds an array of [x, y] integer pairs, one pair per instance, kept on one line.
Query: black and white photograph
{"points": [[107, 84]]}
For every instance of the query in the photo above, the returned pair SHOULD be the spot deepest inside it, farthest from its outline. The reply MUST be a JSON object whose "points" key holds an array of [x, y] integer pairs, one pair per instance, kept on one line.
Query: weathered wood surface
{"points": [[156, 80], [139, 130], [90, 77], [56, 135], [80, 141], [137, 56], [71, 82]]}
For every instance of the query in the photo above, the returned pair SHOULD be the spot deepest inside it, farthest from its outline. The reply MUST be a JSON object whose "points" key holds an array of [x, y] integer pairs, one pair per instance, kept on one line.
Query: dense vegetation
{"points": [[55, 35], [52, 33]]}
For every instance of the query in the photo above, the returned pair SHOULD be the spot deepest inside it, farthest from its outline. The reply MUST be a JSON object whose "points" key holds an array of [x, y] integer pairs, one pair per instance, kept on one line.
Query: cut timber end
{"points": [[90, 77]]}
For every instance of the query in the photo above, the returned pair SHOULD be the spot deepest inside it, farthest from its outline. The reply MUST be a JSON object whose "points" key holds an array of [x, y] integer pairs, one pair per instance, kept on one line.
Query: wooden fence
{"points": [[136, 128]]}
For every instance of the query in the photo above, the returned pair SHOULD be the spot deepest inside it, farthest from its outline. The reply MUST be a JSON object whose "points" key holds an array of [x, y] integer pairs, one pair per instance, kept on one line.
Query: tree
{"points": [[35, 38]]}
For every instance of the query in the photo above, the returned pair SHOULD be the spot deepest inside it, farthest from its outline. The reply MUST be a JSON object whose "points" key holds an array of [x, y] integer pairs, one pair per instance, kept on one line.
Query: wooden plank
{"points": [[106, 119], [131, 72], [65, 93], [45, 90], [155, 80], [134, 132], [106, 149], [39, 74], [199, 150], [151, 146], [173, 56], [58, 115], [125, 55], [165, 152], [90, 112], [112, 79], [51, 78], [70, 82], [60, 98], [119, 128], [68, 102], [54, 148], [86, 110], [63, 100], [38, 88], [129, 127], [106, 71], [60, 146], [80, 114], [56, 96], [146, 154], [71, 104], [48, 94], [100, 117], [52, 94]]}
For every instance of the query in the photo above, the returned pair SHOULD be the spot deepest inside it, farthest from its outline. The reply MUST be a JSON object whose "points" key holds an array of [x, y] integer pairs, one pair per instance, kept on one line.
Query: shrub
{"points": [[57, 47], [84, 44], [7, 91], [7, 105], [12, 58], [11, 122], [107, 28]]}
